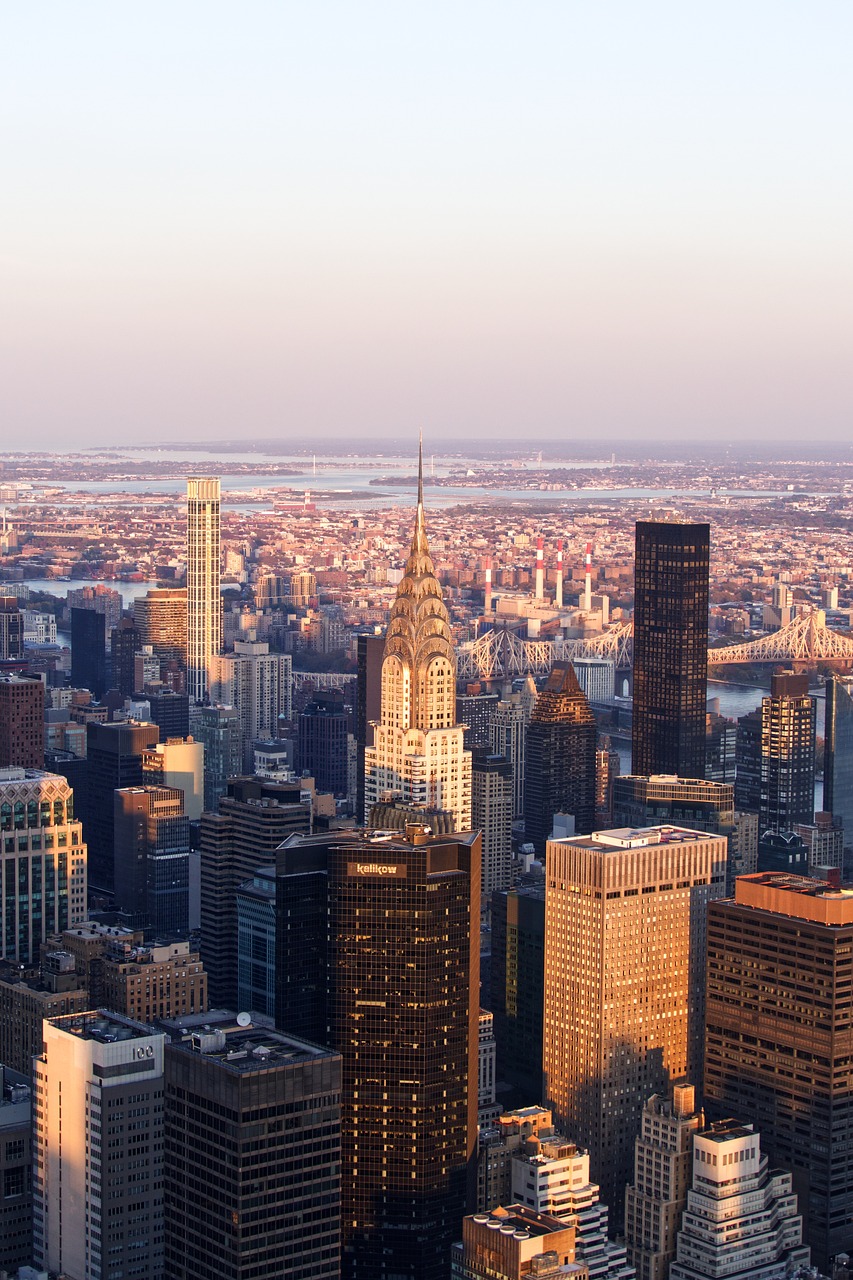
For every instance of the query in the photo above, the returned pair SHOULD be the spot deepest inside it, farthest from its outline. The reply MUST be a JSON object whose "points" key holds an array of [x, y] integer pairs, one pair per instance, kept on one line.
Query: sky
{"points": [[574, 220]]}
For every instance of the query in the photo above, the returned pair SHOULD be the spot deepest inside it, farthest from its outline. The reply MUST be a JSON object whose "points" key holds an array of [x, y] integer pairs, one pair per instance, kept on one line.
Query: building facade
{"points": [[838, 757], [491, 815], [625, 921], [515, 1243], [671, 575], [204, 601], [255, 900], [559, 758], [114, 755], [161, 619], [788, 726], [16, 1171], [21, 722], [517, 987], [257, 684], [152, 858], [149, 983]]}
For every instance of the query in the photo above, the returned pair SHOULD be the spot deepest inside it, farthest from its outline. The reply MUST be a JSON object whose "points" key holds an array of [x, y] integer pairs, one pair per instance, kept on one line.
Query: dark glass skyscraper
{"points": [[371, 650], [670, 648], [788, 721], [560, 758], [838, 764], [89, 650]]}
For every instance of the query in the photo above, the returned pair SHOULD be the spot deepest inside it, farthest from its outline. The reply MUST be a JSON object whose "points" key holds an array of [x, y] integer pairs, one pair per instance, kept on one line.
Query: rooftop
{"points": [[103, 1026], [246, 1049], [520, 1221], [799, 896], [636, 838]]}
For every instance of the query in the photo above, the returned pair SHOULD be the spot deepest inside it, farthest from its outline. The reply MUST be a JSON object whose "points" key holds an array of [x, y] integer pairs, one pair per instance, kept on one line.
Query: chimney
{"points": [[587, 591], [540, 569], [558, 598]]}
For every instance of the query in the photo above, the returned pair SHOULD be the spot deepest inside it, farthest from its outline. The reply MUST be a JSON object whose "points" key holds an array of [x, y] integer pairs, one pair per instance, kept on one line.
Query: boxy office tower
{"points": [[378, 956]]}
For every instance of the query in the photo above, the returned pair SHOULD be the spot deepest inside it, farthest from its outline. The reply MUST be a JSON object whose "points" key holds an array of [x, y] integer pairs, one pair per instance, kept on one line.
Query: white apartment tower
{"points": [[98, 1140], [418, 755], [741, 1219], [258, 684], [204, 601], [625, 929]]}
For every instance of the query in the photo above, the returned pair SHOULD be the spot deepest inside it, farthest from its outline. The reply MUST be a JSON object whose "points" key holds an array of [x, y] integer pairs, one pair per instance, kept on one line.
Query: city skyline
{"points": [[560, 221]]}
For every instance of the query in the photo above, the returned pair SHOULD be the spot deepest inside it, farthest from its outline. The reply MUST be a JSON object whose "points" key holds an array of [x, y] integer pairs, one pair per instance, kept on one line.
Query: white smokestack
{"points": [[558, 600], [587, 591], [540, 570]]}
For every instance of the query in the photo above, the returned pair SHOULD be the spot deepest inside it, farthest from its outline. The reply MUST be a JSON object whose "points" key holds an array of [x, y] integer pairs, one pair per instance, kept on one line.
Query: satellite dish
{"points": [[244, 1019]]}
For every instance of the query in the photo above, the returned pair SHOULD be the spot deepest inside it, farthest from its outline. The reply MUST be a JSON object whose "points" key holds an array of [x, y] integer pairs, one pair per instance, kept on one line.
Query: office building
{"points": [[783, 851], [27, 998], [486, 1106], [748, 757], [42, 860], [824, 841], [607, 769], [663, 1160], [257, 684], [170, 711], [508, 734], [220, 733], [517, 987], [87, 944], [152, 857], [125, 644], [277, 1211], [256, 942], [418, 754], [98, 1137], [114, 760], [838, 754], [680, 802], [387, 930], [551, 1175], [671, 571], [777, 1049], [99, 598], [741, 1219], [148, 983], [204, 601], [369, 653], [89, 651], [499, 1140], [720, 748], [491, 815], [21, 722], [559, 758], [161, 620], [254, 817], [323, 728], [788, 722], [515, 1243], [474, 712], [178, 763], [625, 918], [16, 1204], [11, 629]]}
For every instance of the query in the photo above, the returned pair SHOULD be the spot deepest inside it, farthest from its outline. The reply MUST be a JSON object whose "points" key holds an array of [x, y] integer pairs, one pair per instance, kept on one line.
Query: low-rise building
{"points": [[514, 1243], [153, 982]]}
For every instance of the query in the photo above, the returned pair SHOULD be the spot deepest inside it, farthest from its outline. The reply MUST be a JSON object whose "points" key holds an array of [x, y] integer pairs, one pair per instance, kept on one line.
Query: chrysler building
{"points": [[418, 755]]}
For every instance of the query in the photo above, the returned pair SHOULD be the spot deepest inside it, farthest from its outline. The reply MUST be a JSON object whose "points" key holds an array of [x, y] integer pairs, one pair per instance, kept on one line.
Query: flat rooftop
{"points": [[799, 896], [636, 838], [244, 1050], [518, 1218], [103, 1026]]}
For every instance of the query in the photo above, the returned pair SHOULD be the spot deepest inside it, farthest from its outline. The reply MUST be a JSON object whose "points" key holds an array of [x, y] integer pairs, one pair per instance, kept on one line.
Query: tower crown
{"points": [[419, 664]]}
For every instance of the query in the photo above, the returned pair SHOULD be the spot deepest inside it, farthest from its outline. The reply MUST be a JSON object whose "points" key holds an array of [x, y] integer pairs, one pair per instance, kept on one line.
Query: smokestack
{"points": [[487, 609], [587, 591], [558, 599], [540, 569]]}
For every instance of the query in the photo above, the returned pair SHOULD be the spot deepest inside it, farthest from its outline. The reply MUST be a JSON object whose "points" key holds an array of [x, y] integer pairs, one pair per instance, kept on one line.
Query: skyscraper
{"points": [[418, 753], [42, 862], [322, 741], [257, 684], [114, 756], [624, 981], [276, 1212], [778, 1039], [838, 762], [788, 721], [11, 628], [21, 722], [161, 619], [491, 807], [684, 802], [370, 650], [388, 930], [152, 857], [204, 602], [560, 758], [99, 1148], [89, 650], [517, 986], [125, 643], [671, 572], [219, 731]]}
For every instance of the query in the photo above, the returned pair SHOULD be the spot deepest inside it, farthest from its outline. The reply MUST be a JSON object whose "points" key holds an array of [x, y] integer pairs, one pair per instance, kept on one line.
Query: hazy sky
{"points": [[569, 219]]}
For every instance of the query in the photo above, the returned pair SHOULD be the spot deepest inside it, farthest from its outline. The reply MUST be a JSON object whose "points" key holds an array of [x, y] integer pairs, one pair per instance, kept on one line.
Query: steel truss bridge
{"points": [[322, 679], [501, 654]]}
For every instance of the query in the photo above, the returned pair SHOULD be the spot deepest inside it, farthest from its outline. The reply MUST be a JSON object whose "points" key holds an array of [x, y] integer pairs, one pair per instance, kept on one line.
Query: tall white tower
{"points": [[418, 755], [204, 602]]}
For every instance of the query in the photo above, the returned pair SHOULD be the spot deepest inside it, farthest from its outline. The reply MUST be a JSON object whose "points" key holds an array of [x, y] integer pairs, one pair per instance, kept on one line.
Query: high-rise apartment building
{"points": [[178, 762], [21, 722], [663, 1159], [369, 653], [388, 931], [516, 1243], [204, 601], [508, 734], [418, 754], [624, 981], [671, 572], [161, 619], [683, 802], [778, 1037], [254, 817], [608, 768], [517, 987], [98, 1182], [89, 650], [838, 760], [323, 729], [475, 711], [560, 758], [265, 1199], [491, 810], [42, 862], [219, 731], [788, 723], [257, 684], [11, 628], [741, 1219], [748, 757], [16, 1205], [28, 998], [152, 858], [114, 759]]}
